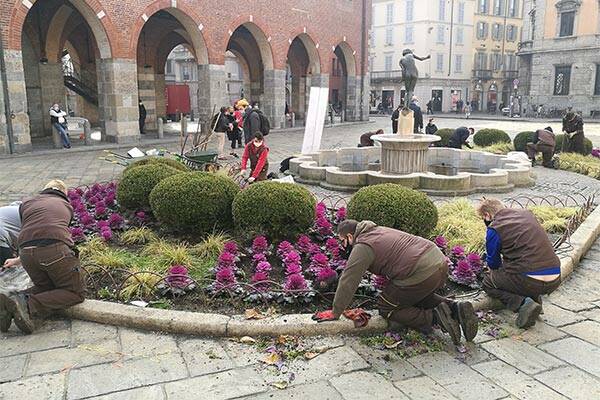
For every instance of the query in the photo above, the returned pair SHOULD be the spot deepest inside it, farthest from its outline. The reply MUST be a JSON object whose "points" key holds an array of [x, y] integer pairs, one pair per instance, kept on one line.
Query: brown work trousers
{"points": [[512, 289], [56, 275], [546, 150], [576, 144], [412, 306]]}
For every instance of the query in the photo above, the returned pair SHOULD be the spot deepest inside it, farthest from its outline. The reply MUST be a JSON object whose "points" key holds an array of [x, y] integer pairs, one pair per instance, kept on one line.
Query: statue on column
{"points": [[410, 74]]}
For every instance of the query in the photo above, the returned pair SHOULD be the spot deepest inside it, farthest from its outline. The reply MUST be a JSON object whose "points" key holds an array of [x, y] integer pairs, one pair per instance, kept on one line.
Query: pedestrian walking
{"points": [[573, 141], [59, 122], [251, 122], [459, 106], [430, 107], [395, 118], [142, 115], [257, 153], [46, 252], [220, 125], [467, 110], [233, 131]]}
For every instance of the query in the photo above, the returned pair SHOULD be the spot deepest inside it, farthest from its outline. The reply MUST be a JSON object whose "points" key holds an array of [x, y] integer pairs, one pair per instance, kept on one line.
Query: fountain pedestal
{"points": [[406, 122], [404, 154]]}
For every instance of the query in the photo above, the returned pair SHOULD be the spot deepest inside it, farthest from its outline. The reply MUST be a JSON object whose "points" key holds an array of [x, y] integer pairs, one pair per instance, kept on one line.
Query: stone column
{"points": [[3, 128], [362, 112], [351, 97], [118, 100], [160, 95], [212, 90], [53, 91], [273, 102], [147, 93], [17, 99]]}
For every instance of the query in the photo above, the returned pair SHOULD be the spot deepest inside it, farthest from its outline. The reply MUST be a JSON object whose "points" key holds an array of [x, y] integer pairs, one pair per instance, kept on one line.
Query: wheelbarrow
{"points": [[199, 160]]}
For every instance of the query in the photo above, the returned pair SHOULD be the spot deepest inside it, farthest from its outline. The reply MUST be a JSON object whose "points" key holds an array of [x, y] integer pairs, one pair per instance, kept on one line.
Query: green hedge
{"points": [[587, 144], [278, 210], [488, 137], [136, 184], [196, 202], [396, 207], [445, 134], [522, 139], [157, 160]]}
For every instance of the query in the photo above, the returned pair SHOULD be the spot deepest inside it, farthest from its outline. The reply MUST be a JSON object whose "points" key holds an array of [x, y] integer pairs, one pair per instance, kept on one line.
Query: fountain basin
{"points": [[404, 154]]}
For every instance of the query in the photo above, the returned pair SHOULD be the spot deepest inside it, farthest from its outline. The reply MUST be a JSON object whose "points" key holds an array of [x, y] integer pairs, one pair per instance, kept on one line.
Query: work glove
{"points": [[324, 316], [251, 179], [359, 316]]}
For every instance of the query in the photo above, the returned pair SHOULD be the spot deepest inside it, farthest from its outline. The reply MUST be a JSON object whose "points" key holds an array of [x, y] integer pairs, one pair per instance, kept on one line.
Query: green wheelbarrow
{"points": [[198, 160]]}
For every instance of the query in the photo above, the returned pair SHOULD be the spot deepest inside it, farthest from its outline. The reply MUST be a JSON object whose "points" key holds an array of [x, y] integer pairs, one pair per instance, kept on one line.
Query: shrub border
{"points": [[204, 324]]}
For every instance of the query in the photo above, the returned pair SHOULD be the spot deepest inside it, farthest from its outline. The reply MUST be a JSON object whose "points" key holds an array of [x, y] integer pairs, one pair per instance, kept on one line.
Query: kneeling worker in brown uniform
{"points": [[416, 269], [46, 253], [543, 142], [522, 262]]}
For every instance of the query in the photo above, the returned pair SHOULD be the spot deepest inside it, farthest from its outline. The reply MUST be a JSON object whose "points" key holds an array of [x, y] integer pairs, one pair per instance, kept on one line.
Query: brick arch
{"points": [[186, 16], [314, 58], [89, 9], [260, 33], [349, 57]]}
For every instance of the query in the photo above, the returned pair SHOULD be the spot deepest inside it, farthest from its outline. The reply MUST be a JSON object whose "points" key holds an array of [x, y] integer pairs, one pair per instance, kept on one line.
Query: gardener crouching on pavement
{"points": [[46, 253], [522, 262], [416, 269], [258, 153]]}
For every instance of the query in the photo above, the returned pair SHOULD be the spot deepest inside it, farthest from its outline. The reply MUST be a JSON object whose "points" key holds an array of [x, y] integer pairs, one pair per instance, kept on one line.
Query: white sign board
{"points": [[315, 119]]}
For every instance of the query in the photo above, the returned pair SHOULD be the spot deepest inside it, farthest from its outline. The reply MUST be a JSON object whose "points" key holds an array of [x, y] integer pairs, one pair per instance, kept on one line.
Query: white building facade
{"points": [[440, 28]]}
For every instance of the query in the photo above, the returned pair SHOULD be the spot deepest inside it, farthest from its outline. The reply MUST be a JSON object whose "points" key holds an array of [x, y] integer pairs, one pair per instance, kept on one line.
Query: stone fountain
{"points": [[404, 154]]}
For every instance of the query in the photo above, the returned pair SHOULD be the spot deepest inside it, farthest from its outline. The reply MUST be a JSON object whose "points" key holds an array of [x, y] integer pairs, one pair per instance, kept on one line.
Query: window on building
{"points": [[389, 36], [461, 13], [483, 6], [388, 62], [597, 85], [458, 63], [511, 33], [389, 13], [499, 7], [511, 62], [567, 23], [480, 61], [482, 30], [442, 10], [410, 10], [441, 34], [513, 8], [495, 61], [439, 65], [372, 38], [408, 34], [371, 63], [169, 67], [497, 32], [532, 22], [460, 35], [185, 72], [562, 80]]}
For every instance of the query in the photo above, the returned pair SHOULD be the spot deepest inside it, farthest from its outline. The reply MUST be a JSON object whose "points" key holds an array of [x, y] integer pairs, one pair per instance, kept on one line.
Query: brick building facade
{"points": [[119, 50]]}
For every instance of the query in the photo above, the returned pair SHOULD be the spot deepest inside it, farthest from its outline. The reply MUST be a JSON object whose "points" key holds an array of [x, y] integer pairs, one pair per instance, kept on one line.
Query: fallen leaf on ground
{"points": [[272, 359], [280, 385], [309, 355], [247, 340], [253, 313], [393, 345]]}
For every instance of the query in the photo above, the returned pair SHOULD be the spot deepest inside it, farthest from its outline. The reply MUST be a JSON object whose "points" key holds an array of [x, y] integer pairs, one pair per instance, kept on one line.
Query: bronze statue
{"points": [[410, 74]]}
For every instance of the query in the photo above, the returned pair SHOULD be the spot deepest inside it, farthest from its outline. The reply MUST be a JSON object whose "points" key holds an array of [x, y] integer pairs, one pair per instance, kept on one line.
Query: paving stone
{"points": [[540, 333], [319, 390], [90, 332], [82, 355], [146, 393], [12, 367], [571, 382], [363, 385], [453, 375], [423, 387], [47, 387], [557, 316], [586, 330], [108, 378], [578, 291], [593, 314], [242, 354], [20, 344], [204, 356], [522, 355], [220, 386], [385, 362], [576, 352], [516, 382], [143, 344]]}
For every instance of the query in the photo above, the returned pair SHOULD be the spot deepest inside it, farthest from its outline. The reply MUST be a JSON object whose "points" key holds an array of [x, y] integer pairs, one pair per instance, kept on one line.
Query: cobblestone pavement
{"points": [[558, 359]]}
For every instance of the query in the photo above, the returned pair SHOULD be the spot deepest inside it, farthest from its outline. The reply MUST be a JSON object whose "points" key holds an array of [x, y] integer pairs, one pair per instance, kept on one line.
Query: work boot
{"points": [[6, 316], [528, 313], [469, 323], [17, 305], [442, 316], [533, 162]]}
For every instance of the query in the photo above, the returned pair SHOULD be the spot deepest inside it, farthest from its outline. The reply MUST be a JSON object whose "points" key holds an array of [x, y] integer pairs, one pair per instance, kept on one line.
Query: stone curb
{"points": [[201, 324]]}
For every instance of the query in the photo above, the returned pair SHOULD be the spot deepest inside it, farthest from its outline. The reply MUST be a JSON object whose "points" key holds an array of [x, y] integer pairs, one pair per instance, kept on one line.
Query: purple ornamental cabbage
{"points": [[380, 281], [225, 278], [464, 274], [475, 262], [116, 221], [77, 234], [226, 260], [284, 248], [295, 283], [325, 274], [178, 277], [292, 258], [304, 244], [106, 234], [321, 210], [264, 267], [323, 226], [441, 242], [260, 245], [102, 225], [293, 269], [341, 215], [458, 251], [140, 216], [230, 247], [260, 280], [258, 258]]}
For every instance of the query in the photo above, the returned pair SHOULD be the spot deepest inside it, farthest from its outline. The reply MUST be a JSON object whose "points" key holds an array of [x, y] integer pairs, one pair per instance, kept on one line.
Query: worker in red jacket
{"points": [[258, 153]]}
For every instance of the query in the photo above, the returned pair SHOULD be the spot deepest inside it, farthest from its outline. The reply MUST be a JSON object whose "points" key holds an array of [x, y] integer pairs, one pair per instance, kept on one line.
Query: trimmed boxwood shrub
{"points": [[587, 144], [488, 137], [522, 139], [278, 210], [396, 207], [137, 183], [196, 202], [445, 134], [157, 160]]}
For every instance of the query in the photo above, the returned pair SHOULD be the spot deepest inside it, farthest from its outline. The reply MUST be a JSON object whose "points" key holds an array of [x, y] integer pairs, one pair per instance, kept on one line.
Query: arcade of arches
{"points": [[67, 52]]}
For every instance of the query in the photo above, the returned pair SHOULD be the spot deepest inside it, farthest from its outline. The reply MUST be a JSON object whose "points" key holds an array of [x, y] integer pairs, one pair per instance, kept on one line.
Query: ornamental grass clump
{"points": [[459, 224], [554, 220], [138, 236], [585, 165], [140, 285]]}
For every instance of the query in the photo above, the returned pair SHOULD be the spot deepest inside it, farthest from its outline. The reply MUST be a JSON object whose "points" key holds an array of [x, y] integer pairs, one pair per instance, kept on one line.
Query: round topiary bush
{"points": [[135, 185], [521, 140], [587, 144], [488, 137], [278, 210], [196, 202], [396, 207], [157, 160], [445, 134]]}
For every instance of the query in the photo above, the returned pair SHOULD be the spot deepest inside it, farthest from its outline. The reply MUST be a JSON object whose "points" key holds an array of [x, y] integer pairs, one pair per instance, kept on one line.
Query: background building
{"points": [[560, 55], [498, 26], [428, 27]]}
